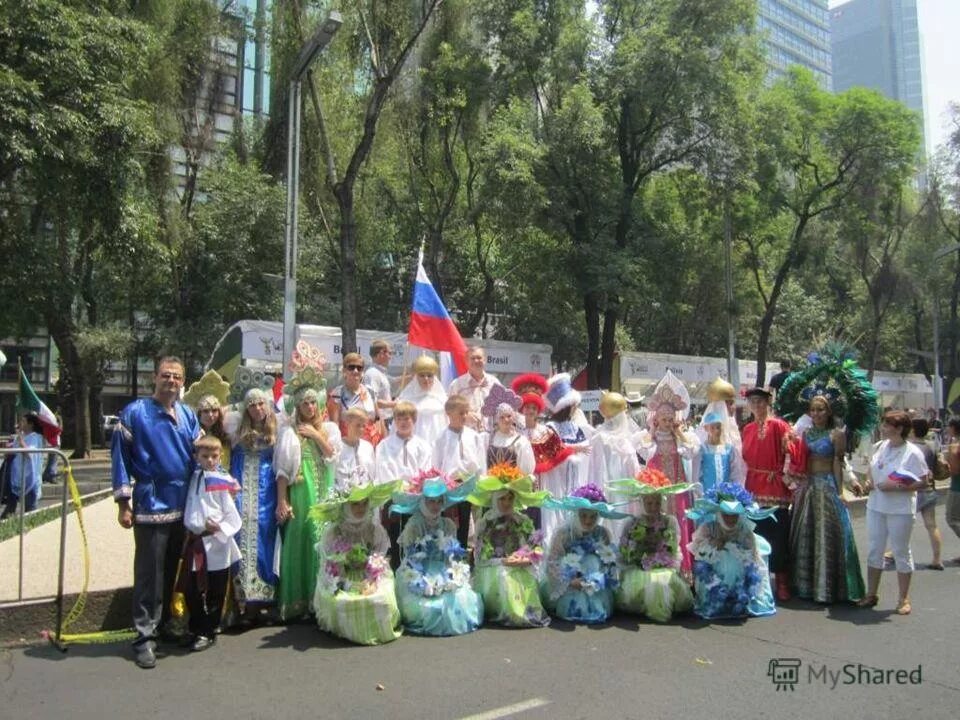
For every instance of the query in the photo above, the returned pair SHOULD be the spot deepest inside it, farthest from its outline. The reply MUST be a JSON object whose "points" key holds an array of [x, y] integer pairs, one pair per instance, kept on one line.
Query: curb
{"points": [[105, 610]]}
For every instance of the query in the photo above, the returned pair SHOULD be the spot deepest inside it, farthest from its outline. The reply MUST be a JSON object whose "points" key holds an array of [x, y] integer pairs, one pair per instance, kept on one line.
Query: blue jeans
{"points": [[29, 503]]}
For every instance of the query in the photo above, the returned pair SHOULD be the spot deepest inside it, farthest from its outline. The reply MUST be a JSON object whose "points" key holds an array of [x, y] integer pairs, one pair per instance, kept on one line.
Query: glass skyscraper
{"points": [[796, 32], [876, 44]]}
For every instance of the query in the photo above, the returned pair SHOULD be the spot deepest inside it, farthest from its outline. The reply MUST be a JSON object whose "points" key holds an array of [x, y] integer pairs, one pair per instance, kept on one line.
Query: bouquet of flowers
{"points": [[728, 598], [651, 546], [434, 565], [593, 564], [512, 542], [352, 568]]}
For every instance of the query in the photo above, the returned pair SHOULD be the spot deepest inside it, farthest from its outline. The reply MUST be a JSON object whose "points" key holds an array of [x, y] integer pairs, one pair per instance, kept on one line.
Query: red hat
{"points": [[529, 382], [532, 398]]}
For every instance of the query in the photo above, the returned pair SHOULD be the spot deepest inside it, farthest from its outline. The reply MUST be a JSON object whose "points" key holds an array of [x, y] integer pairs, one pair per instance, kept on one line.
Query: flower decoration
{"points": [[593, 564], [590, 492], [414, 485], [510, 541], [352, 568], [505, 472], [731, 492], [653, 477], [417, 573], [651, 546]]}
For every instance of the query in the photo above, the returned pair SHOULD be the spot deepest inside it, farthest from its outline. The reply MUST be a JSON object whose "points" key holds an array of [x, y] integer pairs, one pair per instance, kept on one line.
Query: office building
{"points": [[796, 32]]}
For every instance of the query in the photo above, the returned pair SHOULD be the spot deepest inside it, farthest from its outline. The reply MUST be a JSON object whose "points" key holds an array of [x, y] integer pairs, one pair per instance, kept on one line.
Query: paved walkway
{"points": [[110, 547]]}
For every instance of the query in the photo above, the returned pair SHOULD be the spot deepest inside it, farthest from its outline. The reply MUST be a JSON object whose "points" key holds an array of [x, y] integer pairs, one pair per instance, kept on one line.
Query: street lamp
{"points": [[937, 382], [308, 53]]}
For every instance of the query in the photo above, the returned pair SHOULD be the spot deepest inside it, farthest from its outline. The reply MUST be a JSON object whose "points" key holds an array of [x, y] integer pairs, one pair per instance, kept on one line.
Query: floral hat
{"points": [[729, 499], [648, 482], [589, 497], [430, 484], [377, 495], [507, 477]]}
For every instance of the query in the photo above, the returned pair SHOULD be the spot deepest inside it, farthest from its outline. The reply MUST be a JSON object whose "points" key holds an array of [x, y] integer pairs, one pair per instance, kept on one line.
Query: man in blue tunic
{"points": [[152, 458]]}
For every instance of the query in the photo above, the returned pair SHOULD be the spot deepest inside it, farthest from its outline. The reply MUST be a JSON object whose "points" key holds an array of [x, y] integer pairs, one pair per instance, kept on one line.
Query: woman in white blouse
{"points": [[897, 470]]}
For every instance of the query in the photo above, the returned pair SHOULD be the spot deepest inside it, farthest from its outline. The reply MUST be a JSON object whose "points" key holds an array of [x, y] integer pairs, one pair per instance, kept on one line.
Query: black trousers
{"points": [[206, 608], [157, 550], [776, 531]]}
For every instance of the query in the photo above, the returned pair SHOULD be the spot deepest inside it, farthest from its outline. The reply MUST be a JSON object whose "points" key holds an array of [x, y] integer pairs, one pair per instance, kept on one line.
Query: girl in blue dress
{"points": [[720, 458], [730, 575], [433, 580], [254, 435], [582, 570]]}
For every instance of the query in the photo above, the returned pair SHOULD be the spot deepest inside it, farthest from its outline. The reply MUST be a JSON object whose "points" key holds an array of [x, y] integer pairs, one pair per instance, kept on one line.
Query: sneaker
{"points": [[146, 658], [202, 643]]}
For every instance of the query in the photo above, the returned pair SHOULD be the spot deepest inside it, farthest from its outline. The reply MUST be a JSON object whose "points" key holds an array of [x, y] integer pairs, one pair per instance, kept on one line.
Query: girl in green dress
{"points": [[304, 461]]}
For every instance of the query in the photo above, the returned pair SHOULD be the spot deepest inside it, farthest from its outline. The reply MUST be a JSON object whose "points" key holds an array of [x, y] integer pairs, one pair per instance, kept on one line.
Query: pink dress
{"points": [[668, 459]]}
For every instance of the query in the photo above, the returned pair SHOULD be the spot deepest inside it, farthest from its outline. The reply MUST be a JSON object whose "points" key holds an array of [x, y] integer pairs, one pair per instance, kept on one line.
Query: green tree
{"points": [[814, 150], [71, 143]]}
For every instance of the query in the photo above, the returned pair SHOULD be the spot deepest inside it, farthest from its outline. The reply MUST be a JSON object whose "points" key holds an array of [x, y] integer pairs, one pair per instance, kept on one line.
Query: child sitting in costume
{"points": [[507, 550], [212, 520], [730, 572], [433, 580], [355, 596], [582, 570], [650, 557]]}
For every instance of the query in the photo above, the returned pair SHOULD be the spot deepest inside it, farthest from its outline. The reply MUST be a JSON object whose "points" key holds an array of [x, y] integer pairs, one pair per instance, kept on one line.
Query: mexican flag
{"points": [[28, 402]]}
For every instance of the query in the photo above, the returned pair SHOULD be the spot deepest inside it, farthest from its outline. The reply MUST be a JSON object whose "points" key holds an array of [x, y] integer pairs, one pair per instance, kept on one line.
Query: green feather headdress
{"points": [[833, 374]]}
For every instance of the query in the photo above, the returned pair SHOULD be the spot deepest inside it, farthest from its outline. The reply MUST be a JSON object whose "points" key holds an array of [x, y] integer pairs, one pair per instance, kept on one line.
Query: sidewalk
{"points": [[110, 548]]}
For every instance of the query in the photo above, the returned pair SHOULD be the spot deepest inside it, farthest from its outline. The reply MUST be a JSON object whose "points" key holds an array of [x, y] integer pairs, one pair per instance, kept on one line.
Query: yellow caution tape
{"points": [[102, 636]]}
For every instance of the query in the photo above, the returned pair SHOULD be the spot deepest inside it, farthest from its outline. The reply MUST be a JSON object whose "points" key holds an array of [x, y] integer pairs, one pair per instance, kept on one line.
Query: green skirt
{"points": [[658, 594], [511, 596], [363, 619], [299, 562]]}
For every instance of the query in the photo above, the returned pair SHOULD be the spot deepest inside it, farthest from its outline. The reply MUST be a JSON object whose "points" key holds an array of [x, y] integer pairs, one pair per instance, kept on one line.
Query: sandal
{"points": [[903, 607], [935, 566], [868, 601]]}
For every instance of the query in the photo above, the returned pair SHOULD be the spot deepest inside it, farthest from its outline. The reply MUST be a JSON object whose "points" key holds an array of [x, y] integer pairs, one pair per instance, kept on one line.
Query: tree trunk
{"points": [[766, 322], [609, 343], [591, 312], [348, 269]]}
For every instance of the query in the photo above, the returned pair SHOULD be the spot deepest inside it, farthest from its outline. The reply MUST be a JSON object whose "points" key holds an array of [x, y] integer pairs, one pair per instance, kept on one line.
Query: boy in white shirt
{"points": [[212, 520], [460, 453]]}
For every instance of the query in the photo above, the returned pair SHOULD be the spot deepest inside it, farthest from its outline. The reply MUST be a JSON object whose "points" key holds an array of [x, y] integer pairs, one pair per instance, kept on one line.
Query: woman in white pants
{"points": [[897, 471]]}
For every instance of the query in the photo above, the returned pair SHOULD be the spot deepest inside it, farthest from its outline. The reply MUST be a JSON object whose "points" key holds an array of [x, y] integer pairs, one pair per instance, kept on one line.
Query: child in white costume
{"points": [[212, 520]]}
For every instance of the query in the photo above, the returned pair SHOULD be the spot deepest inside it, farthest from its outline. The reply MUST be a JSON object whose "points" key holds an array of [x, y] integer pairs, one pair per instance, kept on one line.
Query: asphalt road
{"points": [[628, 669]]}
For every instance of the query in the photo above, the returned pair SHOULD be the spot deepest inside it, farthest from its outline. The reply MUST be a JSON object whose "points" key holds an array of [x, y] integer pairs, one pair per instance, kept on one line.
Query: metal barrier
{"points": [[58, 598]]}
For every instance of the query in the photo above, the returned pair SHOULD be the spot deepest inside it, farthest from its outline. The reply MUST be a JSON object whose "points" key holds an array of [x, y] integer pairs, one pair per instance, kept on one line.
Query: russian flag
{"points": [[430, 323]]}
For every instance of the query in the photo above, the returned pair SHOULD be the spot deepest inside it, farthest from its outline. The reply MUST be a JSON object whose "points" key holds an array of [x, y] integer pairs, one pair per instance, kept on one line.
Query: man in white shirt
{"points": [[377, 378], [475, 385]]}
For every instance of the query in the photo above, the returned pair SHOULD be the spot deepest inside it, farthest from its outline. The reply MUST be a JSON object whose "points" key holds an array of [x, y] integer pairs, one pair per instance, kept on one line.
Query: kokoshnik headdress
{"points": [[306, 365], [208, 393]]}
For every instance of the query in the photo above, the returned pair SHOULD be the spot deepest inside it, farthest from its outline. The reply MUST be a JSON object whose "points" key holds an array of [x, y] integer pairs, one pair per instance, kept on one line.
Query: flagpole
{"points": [[406, 346]]}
